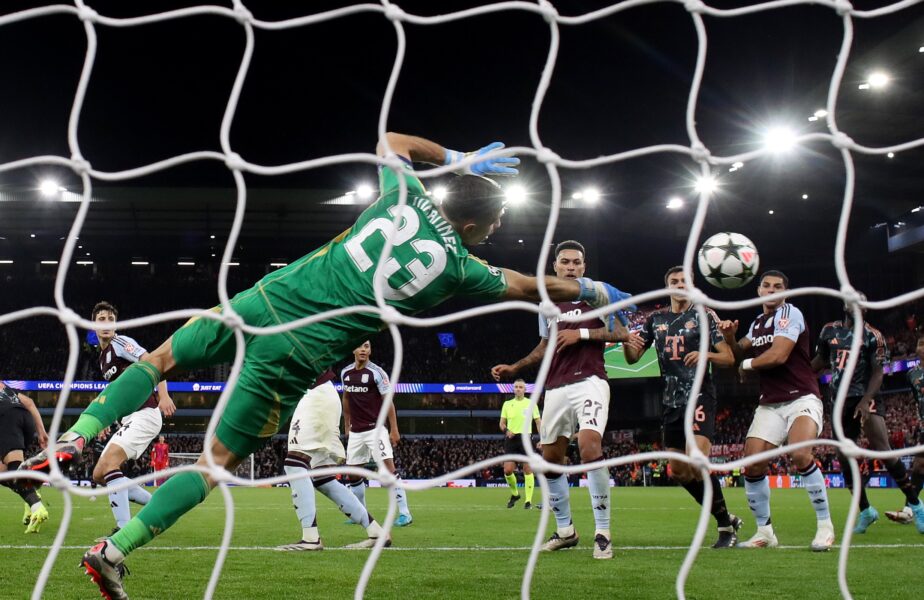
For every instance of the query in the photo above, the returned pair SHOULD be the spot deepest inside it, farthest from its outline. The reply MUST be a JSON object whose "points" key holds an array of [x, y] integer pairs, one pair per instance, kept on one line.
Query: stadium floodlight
{"points": [[805, 196], [818, 114], [279, 264], [84, 262], [140, 263], [49, 262], [515, 194], [770, 212], [706, 185], [916, 209], [735, 166], [364, 191], [211, 237], [591, 195], [32, 235], [878, 80], [921, 49], [891, 155], [577, 195], [6, 262], [49, 188], [439, 193], [779, 140], [233, 264], [675, 203], [185, 263]]}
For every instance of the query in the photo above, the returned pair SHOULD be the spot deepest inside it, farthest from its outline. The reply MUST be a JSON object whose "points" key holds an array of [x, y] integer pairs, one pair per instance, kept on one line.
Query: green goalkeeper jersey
{"points": [[428, 265]]}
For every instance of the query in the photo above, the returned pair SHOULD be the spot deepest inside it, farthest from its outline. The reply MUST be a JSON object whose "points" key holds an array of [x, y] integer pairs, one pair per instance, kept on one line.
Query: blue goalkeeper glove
{"points": [[598, 293], [496, 165]]}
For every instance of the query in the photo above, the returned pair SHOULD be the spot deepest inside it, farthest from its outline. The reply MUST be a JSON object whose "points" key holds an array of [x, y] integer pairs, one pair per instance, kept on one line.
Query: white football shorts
{"points": [[362, 447], [772, 422], [137, 432], [315, 427], [584, 404]]}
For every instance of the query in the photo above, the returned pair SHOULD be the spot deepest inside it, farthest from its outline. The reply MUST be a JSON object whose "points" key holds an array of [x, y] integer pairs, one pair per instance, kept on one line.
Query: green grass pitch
{"points": [[464, 543]]}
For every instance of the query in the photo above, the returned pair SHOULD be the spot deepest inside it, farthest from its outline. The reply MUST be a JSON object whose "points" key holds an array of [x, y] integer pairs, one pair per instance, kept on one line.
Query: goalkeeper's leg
{"points": [[122, 397]]}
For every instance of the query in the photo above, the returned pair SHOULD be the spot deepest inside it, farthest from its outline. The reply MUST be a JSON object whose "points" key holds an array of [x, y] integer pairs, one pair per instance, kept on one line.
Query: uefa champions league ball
{"points": [[728, 260]]}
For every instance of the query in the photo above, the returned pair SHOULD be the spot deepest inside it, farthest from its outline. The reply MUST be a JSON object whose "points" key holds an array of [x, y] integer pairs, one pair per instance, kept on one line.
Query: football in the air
{"points": [[728, 260]]}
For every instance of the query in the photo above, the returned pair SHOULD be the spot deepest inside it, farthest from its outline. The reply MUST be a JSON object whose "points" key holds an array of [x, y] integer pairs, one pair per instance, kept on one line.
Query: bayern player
{"points": [[860, 407], [138, 429], [790, 409], [314, 442], [915, 512], [675, 333], [577, 397], [160, 457], [20, 422], [364, 387], [428, 265]]}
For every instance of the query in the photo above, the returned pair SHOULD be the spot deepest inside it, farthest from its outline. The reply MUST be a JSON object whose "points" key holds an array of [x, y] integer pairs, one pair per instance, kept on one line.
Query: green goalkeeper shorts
{"points": [[273, 378]]}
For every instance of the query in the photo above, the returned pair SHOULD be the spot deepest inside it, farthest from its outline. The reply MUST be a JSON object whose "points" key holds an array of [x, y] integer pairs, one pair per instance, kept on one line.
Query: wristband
{"points": [[746, 364], [585, 333]]}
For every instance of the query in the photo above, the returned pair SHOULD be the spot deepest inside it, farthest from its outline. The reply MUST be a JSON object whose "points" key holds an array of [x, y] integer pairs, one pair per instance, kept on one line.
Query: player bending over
{"points": [[860, 412], [19, 422], [790, 409], [314, 442], [914, 512], [577, 397], [512, 422], [364, 387], [675, 333], [139, 429], [428, 265]]}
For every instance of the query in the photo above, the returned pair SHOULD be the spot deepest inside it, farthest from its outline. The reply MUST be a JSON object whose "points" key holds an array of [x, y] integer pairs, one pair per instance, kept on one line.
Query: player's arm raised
{"points": [[615, 331], [37, 418], [740, 349], [503, 371], [418, 149]]}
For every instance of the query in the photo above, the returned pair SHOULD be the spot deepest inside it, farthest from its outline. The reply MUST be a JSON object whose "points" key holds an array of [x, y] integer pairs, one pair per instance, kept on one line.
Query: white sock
{"points": [[814, 483], [139, 495], [401, 499], [359, 490], [346, 501], [310, 534], [758, 495], [302, 496], [36, 506], [598, 482], [118, 501], [374, 530], [560, 501]]}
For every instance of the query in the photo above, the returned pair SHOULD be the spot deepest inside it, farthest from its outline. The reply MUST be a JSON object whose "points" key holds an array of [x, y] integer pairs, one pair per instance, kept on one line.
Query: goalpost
{"points": [[398, 19]]}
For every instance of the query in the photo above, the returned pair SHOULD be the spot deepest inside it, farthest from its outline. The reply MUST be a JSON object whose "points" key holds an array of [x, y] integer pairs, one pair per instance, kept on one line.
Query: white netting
{"points": [[552, 161]]}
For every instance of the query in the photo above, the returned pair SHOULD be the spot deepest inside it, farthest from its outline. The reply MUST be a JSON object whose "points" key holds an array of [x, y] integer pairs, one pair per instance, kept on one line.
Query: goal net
{"points": [[238, 165]]}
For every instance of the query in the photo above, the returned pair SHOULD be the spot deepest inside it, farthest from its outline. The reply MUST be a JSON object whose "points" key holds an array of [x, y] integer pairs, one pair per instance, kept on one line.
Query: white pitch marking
{"points": [[439, 549]]}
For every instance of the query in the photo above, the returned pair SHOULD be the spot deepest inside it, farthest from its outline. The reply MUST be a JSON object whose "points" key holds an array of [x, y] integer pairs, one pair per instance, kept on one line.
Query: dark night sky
{"points": [[620, 82]]}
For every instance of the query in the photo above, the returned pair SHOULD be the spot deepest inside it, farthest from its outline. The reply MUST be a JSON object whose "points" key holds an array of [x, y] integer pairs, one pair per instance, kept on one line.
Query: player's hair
{"points": [[774, 273], [519, 380], [570, 245], [101, 306], [671, 271], [470, 198]]}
